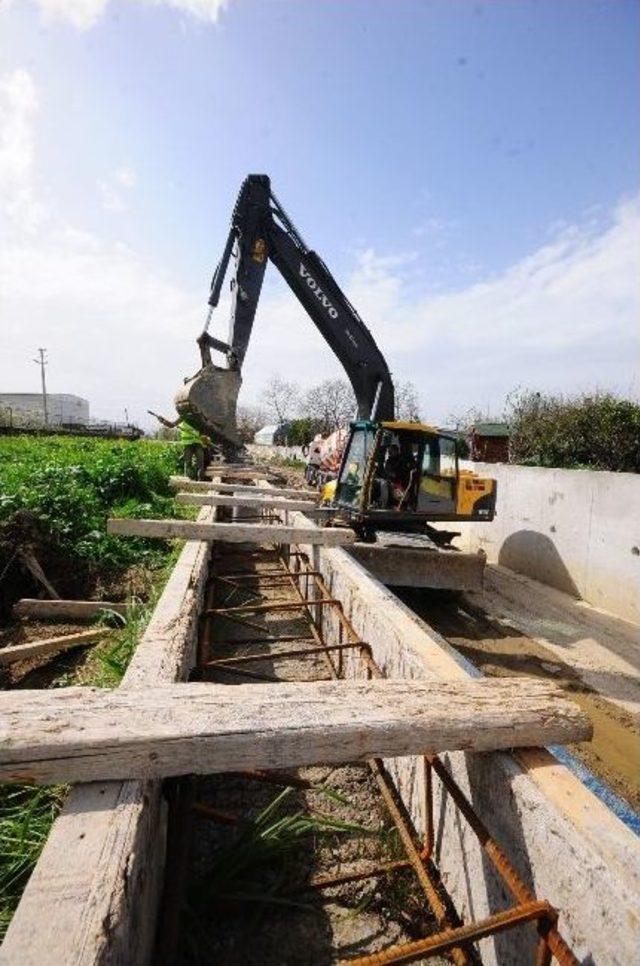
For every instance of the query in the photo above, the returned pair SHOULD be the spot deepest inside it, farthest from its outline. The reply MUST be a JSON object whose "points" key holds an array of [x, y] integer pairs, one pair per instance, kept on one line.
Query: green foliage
{"points": [[72, 485], [26, 815], [255, 866], [301, 431], [597, 431]]}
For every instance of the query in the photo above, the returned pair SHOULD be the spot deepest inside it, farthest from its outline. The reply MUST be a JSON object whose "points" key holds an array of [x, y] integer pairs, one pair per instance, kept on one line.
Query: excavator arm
{"points": [[260, 231]]}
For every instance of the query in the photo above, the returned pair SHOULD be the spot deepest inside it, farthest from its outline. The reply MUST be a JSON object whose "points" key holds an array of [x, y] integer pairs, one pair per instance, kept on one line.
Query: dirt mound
{"points": [[25, 534]]}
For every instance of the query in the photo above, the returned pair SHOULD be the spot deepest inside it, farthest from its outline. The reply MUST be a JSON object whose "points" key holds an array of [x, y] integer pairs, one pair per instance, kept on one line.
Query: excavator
{"points": [[396, 478]]}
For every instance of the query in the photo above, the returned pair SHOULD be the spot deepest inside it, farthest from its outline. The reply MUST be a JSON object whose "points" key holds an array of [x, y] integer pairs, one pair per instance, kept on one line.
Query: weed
{"points": [[26, 815]]}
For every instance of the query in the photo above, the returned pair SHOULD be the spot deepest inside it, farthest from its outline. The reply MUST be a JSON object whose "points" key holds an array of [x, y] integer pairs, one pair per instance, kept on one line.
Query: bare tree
{"points": [[407, 402], [280, 399], [332, 403], [464, 422], [249, 420]]}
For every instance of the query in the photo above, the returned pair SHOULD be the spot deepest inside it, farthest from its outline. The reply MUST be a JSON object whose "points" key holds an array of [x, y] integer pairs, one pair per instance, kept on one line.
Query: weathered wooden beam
{"points": [[231, 532], [50, 645], [88, 734], [264, 502], [93, 895], [75, 610], [197, 486], [238, 472]]}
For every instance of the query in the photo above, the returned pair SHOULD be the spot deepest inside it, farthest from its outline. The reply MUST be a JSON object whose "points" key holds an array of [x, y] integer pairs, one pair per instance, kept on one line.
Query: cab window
{"points": [[354, 466], [438, 482]]}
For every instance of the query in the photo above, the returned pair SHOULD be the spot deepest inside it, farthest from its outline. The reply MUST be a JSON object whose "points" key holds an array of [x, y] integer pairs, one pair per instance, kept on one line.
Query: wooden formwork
{"points": [[93, 897], [94, 893]]}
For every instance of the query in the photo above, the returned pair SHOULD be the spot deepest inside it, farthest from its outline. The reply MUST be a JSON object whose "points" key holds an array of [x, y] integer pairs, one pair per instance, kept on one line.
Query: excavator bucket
{"points": [[208, 401]]}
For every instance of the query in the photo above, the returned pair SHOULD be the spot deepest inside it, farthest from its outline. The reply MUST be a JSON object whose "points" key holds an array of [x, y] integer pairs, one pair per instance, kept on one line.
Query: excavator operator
{"points": [[399, 471]]}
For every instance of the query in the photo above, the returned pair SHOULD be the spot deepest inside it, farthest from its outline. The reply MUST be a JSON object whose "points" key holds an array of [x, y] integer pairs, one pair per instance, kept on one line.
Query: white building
{"points": [[26, 409], [265, 436]]}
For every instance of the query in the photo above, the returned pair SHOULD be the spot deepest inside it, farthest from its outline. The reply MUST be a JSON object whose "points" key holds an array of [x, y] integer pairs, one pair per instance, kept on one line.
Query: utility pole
{"points": [[42, 362]]}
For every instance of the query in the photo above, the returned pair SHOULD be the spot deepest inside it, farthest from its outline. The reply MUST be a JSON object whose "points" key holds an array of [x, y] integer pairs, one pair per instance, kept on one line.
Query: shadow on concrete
{"points": [[535, 554]]}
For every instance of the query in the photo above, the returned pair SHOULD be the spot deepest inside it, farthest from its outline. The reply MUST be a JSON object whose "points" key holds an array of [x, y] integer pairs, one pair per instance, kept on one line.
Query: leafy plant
{"points": [[596, 430], [58, 492], [70, 486]]}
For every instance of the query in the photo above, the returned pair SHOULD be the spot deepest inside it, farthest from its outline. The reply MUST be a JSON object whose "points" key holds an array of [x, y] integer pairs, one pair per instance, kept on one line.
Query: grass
{"points": [[263, 846], [70, 486], [27, 812], [26, 815], [260, 866]]}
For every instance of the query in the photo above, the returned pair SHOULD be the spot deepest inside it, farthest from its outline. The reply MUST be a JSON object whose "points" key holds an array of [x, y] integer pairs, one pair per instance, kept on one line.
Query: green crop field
{"points": [[71, 485], [56, 493]]}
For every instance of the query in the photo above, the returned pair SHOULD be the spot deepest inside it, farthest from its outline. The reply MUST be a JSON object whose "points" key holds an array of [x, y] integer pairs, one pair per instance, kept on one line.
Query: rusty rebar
{"points": [[280, 655], [329, 881], [447, 940], [273, 606], [424, 878], [515, 884]]}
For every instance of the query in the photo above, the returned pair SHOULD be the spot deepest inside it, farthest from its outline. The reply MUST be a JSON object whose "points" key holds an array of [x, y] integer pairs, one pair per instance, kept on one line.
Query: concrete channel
{"points": [[492, 845]]}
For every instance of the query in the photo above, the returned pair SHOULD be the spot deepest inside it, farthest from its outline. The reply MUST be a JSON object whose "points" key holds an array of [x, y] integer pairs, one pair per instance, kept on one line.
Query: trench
{"points": [[313, 865], [306, 866]]}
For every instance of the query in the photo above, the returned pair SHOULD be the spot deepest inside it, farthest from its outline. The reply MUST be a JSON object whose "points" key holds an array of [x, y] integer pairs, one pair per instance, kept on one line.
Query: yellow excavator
{"points": [[396, 478]]}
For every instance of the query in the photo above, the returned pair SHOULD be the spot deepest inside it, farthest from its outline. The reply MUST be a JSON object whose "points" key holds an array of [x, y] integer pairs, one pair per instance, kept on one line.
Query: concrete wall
{"points": [[263, 451], [576, 530], [565, 843]]}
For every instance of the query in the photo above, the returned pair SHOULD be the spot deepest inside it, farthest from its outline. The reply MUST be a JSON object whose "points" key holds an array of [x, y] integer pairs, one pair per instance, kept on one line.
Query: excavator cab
{"points": [[401, 476]]}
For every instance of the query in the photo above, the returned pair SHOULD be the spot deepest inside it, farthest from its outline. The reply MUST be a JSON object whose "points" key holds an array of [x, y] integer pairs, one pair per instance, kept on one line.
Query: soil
{"points": [[499, 649], [70, 578]]}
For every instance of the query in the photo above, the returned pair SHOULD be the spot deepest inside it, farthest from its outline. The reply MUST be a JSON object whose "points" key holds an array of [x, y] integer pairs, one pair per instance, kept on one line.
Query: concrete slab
{"points": [[414, 566]]}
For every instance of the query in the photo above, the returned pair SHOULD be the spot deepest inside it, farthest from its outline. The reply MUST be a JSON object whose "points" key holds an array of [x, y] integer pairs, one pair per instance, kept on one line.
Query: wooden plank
{"points": [[238, 472], [231, 532], [197, 486], [92, 898], [89, 734], [74, 610], [50, 645], [33, 566], [265, 502]]}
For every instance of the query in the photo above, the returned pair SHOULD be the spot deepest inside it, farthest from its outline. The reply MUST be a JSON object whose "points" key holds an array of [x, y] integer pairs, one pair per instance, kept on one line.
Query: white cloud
{"points": [[110, 190], [582, 286], [122, 332], [84, 14], [118, 330], [564, 318], [18, 105], [125, 176]]}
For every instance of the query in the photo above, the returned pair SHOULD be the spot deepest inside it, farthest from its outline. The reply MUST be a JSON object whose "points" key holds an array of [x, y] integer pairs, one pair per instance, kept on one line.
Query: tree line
{"points": [[591, 430], [322, 408]]}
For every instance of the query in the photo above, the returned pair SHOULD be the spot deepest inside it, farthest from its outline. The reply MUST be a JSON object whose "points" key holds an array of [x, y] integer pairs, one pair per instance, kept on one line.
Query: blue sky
{"points": [[468, 170]]}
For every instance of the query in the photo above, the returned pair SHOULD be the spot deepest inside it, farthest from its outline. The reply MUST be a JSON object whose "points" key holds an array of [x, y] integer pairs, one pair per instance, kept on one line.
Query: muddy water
{"points": [[498, 649]]}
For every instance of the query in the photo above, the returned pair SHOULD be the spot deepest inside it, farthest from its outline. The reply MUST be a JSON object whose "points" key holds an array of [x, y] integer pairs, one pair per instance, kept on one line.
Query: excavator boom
{"points": [[260, 231]]}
